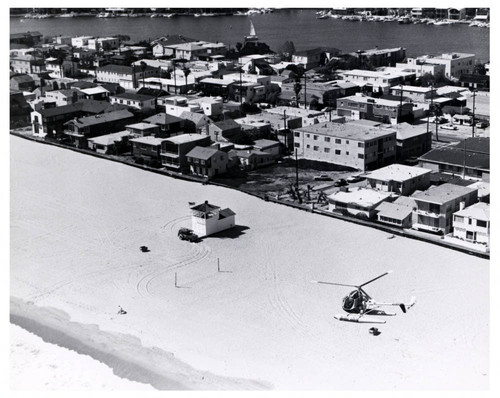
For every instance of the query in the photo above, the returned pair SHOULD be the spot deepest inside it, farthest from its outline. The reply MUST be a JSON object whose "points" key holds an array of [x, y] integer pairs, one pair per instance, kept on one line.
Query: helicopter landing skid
{"points": [[359, 318]]}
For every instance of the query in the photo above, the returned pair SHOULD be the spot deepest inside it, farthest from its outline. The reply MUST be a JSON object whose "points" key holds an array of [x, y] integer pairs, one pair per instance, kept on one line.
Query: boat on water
{"points": [[68, 15], [105, 15]]}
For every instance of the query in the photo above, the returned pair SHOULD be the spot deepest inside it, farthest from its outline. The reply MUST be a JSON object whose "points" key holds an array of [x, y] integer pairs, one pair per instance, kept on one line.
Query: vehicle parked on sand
{"points": [[482, 125], [340, 183], [187, 234]]}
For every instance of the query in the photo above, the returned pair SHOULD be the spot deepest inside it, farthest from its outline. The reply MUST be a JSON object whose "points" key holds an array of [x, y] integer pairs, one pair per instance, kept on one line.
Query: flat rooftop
{"points": [[397, 172], [442, 193], [183, 138], [149, 140], [362, 197], [347, 130]]}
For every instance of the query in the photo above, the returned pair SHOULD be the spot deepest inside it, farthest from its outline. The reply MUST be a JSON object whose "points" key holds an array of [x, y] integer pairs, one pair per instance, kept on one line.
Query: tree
{"points": [[287, 50], [296, 88]]}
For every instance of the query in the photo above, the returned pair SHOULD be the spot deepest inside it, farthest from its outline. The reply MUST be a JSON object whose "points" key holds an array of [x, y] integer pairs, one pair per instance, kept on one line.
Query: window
{"points": [[315, 137], [347, 153], [347, 142], [327, 150], [470, 221], [361, 156], [337, 152], [316, 148], [434, 208], [459, 219], [481, 223], [327, 139], [338, 141], [361, 145], [297, 134], [296, 145], [308, 135], [308, 146]]}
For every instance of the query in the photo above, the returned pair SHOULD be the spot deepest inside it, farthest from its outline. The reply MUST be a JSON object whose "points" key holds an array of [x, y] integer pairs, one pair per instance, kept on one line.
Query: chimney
{"points": [[462, 205]]}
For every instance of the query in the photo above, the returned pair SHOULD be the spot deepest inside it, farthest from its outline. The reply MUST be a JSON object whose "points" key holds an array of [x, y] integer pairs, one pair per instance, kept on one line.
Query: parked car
{"points": [[187, 234], [340, 183], [448, 127], [323, 177], [440, 120], [482, 125], [357, 178]]}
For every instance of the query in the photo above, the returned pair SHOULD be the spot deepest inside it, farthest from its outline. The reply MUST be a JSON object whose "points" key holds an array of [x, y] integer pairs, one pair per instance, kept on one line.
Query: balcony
{"points": [[427, 213]]}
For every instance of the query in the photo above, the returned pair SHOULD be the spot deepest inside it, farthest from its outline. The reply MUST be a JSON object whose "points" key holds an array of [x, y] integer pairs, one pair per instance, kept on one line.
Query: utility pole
{"points": [[241, 92], [473, 111], [400, 102], [465, 157], [305, 90], [430, 107], [296, 171]]}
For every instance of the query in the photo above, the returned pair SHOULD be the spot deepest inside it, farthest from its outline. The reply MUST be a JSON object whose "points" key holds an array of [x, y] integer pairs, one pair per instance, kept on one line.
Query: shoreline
{"points": [[55, 327], [435, 240]]}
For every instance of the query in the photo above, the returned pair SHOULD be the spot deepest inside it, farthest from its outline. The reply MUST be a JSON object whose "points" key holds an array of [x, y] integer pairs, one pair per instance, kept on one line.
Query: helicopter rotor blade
{"points": [[374, 279], [336, 284]]}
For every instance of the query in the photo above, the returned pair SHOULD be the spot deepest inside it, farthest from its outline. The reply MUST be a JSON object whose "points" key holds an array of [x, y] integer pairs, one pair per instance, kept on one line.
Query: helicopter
{"points": [[358, 304]]}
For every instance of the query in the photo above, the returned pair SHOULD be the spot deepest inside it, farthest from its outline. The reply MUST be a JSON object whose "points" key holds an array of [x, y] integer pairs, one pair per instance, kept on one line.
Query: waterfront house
{"points": [[270, 146], [224, 130], [169, 125], [471, 153], [359, 202], [79, 130], [50, 121], [26, 38], [455, 64], [380, 80], [346, 144], [162, 47], [143, 129], [394, 214], [145, 103], [103, 43], [208, 219], [195, 122], [266, 122], [380, 57], [399, 179], [81, 41], [174, 150], [148, 148], [472, 223], [314, 57], [436, 205], [420, 67], [207, 161], [250, 159], [114, 143]]}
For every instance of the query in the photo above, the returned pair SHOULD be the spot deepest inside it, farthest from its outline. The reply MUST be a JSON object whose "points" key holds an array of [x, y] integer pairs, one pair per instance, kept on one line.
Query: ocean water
{"points": [[299, 26]]}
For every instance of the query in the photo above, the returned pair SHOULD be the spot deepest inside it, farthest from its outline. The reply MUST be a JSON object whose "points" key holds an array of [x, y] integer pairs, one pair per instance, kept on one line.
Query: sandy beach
{"points": [[77, 223]]}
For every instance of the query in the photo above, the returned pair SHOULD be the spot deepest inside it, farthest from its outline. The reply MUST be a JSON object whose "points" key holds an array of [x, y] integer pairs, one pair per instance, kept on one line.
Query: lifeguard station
{"points": [[208, 219]]}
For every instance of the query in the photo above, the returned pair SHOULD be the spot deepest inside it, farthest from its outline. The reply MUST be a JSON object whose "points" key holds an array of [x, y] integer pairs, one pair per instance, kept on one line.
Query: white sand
{"points": [[77, 223], [37, 365]]}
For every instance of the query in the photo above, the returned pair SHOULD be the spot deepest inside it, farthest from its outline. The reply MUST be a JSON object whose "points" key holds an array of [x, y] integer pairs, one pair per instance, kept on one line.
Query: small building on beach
{"points": [[208, 219]]}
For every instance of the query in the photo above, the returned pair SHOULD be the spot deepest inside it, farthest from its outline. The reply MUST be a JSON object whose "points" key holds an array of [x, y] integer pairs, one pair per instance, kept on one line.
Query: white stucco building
{"points": [[208, 219]]}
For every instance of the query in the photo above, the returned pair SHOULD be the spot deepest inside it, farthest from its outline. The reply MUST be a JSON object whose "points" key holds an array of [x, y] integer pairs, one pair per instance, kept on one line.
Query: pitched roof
{"points": [[134, 96], [203, 153], [477, 154], [227, 124], [205, 207], [479, 211], [101, 118], [442, 193], [393, 210], [193, 116], [159, 119]]}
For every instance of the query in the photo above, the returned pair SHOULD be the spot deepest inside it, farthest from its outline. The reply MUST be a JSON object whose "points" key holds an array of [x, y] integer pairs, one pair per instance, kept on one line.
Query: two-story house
{"points": [[399, 179], [472, 223], [436, 205], [207, 161], [174, 150]]}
